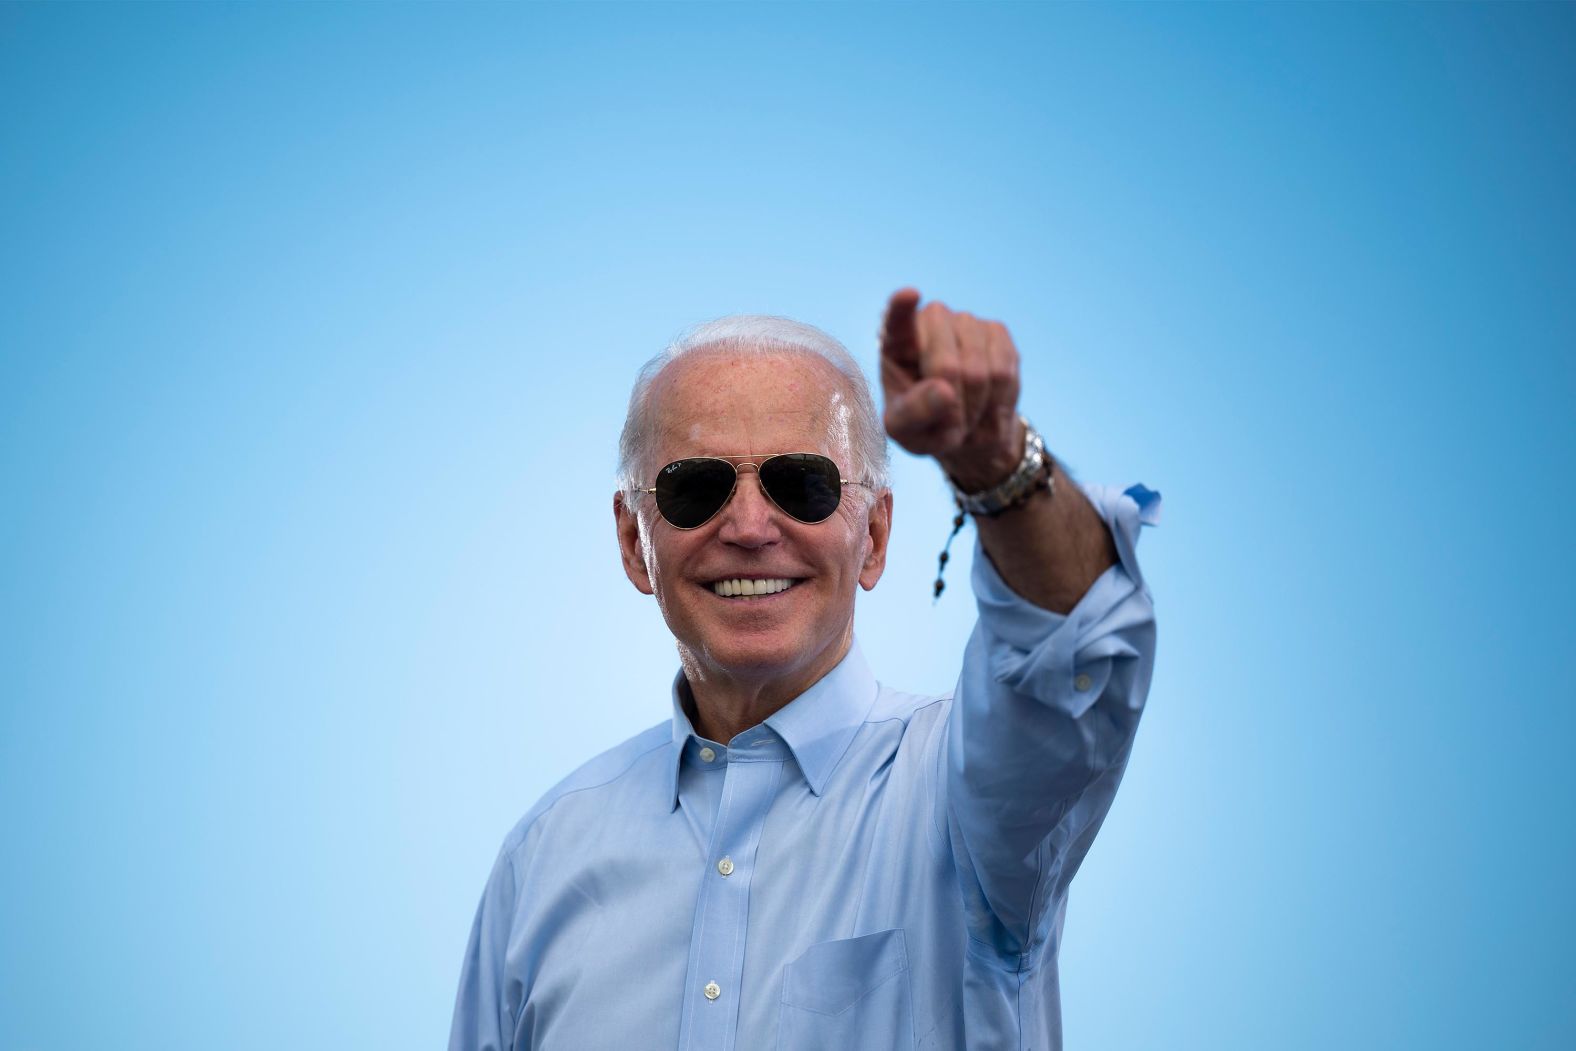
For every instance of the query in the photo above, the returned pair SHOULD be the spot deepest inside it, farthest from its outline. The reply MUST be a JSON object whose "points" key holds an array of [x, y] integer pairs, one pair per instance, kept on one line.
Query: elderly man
{"points": [[802, 857]]}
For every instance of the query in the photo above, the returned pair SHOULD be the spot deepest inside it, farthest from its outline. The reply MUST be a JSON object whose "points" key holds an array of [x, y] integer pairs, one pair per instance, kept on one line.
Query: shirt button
{"points": [[707, 755], [1083, 682], [713, 990], [725, 866]]}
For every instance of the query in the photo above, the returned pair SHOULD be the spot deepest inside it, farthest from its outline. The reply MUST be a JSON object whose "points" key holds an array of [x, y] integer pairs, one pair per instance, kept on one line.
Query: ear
{"points": [[880, 526], [630, 548]]}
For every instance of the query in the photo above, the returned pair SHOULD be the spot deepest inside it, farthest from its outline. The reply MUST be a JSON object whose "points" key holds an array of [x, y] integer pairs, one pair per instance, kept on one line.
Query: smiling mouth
{"points": [[751, 587]]}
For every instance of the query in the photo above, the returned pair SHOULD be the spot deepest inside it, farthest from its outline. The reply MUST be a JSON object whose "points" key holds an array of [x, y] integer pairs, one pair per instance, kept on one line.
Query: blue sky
{"points": [[318, 328]]}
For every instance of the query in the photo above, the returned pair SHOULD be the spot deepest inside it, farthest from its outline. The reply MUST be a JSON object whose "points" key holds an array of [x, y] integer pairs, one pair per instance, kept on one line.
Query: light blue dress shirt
{"points": [[866, 869]]}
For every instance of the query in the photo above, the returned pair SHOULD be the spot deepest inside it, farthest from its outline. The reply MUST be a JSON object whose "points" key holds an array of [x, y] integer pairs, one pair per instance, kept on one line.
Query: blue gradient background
{"points": [[303, 305]]}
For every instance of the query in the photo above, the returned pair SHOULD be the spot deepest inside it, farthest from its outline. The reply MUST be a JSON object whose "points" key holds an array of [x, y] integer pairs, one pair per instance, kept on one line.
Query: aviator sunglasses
{"points": [[804, 486]]}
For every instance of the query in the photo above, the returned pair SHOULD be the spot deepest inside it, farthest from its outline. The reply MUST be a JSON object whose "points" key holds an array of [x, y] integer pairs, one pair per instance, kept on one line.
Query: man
{"points": [[801, 857]]}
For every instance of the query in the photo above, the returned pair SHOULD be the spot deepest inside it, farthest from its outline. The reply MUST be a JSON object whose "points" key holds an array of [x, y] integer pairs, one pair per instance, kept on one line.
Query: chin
{"points": [[776, 639], [763, 656], [775, 652]]}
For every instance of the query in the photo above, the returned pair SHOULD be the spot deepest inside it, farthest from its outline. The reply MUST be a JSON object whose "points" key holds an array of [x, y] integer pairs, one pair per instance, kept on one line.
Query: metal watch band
{"points": [[1031, 475]]}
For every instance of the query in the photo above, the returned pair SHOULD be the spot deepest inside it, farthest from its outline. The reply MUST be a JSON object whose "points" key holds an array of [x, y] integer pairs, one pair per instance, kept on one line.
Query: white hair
{"points": [[765, 335]]}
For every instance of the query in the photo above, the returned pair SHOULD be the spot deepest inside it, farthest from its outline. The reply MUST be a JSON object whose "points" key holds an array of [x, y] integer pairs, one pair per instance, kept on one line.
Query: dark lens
{"points": [[804, 485], [689, 492]]}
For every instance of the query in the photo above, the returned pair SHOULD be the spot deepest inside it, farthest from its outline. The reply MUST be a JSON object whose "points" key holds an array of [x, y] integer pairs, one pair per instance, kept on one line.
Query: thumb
{"points": [[927, 418]]}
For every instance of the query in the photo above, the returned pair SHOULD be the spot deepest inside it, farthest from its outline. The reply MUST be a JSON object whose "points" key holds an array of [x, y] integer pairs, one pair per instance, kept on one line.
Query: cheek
{"points": [[855, 514], [665, 556], [853, 545]]}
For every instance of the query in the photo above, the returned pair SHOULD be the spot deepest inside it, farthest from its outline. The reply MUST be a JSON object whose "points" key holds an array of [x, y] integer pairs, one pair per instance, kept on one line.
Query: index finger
{"points": [[899, 329]]}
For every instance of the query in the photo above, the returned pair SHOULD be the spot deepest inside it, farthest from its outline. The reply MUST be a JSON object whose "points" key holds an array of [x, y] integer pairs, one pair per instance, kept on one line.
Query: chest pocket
{"points": [[851, 993]]}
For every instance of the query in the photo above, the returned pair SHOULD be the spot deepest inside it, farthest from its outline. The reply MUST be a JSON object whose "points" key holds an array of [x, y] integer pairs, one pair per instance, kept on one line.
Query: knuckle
{"points": [[949, 371]]}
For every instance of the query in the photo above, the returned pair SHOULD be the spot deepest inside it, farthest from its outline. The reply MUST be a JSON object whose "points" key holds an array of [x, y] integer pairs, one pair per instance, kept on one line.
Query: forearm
{"points": [[1050, 549]]}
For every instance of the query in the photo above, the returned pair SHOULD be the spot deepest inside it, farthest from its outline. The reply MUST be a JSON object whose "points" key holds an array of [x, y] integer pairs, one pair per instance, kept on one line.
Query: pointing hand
{"points": [[950, 381]]}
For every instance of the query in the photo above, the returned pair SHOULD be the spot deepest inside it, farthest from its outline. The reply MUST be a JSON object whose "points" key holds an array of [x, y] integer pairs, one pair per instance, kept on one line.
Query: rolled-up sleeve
{"points": [[1039, 733]]}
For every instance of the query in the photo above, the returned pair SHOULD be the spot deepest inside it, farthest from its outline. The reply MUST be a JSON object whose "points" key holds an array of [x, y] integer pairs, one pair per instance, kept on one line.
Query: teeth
{"points": [[740, 587]]}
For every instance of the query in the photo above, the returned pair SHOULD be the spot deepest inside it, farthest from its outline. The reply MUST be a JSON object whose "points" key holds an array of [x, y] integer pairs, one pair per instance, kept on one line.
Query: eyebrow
{"points": [[746, 456]]}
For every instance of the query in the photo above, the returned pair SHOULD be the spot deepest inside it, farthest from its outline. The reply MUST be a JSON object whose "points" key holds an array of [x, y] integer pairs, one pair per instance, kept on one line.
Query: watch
{"points": [[1032, 474]]}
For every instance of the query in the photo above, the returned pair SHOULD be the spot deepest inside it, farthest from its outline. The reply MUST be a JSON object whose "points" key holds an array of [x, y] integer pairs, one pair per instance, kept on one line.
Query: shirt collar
{"points": [[817, 726]]}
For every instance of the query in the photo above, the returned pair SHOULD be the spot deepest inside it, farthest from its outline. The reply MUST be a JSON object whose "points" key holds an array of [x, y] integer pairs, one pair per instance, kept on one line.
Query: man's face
{"points": [[745, 408]]}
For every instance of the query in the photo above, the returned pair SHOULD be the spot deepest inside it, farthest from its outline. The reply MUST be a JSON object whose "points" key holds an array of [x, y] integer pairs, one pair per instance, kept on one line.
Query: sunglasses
{"points": [[804, 486]]}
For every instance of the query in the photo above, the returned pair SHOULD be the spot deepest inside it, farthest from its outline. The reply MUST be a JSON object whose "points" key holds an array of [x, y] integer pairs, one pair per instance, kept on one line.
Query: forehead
{"points": [[723, 402]]}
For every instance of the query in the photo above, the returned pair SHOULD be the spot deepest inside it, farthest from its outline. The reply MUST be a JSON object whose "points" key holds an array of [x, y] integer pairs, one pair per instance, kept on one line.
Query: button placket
{"points": [[717, 940]]}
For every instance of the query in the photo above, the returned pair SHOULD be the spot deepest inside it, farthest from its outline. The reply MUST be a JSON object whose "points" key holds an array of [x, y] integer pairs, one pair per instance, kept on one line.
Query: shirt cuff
{"points": [[1064, 659]]}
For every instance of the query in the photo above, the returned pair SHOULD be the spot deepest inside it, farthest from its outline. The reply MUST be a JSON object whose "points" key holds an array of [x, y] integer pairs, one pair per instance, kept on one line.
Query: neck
{"points": [[725, 703]]}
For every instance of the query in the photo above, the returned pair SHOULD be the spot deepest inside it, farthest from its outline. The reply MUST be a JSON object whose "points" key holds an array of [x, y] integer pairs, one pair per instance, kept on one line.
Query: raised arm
{"points": [[1055, 674]]}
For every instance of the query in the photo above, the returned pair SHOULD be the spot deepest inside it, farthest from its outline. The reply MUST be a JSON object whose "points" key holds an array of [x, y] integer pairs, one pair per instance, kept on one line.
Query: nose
{"points": [[749, 519]]}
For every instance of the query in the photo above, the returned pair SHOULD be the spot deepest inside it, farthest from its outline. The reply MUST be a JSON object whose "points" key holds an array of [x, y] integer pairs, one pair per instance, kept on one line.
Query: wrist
{"points": [[1031, 474], [979, 469]]}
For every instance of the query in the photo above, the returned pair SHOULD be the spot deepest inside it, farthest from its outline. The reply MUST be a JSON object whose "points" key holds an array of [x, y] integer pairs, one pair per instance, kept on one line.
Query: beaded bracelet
{"points": [[1033, 475]]}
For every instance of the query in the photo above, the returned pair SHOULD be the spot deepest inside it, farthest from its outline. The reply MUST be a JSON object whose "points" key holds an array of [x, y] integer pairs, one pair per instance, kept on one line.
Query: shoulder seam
{"points": [[525, 830]]}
